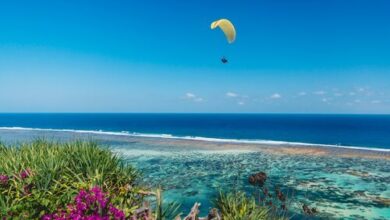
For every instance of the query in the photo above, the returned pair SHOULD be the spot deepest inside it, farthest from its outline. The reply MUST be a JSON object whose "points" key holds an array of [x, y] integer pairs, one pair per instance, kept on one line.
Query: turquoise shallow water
{"points": [[190, 171], [337, 187]]}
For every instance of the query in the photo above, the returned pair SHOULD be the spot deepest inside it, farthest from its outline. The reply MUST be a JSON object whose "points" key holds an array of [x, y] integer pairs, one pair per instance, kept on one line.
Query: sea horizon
{"points": [[200, 113], [342, 130]]}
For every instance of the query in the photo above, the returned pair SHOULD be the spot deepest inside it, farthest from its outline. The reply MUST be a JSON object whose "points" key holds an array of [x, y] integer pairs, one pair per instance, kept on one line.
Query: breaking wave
{"points": [[194, 138]]}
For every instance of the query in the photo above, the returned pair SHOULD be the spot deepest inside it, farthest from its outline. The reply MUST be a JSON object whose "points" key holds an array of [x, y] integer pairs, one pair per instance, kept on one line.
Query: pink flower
{"points": [[25, 173], [89, 205], [4, 180], [46, 217], [117, 214]]}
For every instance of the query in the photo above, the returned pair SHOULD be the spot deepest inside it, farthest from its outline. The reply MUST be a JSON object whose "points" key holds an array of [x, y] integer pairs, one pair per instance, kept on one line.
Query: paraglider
{"points": [[228, 29], [224, 60]]}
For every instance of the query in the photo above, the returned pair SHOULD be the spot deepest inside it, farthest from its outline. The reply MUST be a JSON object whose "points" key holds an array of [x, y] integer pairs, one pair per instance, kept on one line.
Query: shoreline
{"points": [[218, 144], [287, 149]]}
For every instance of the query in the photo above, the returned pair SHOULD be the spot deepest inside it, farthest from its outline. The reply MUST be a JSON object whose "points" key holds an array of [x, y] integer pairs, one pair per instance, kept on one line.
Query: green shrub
{"points": [[237, 206], [41, 177]]}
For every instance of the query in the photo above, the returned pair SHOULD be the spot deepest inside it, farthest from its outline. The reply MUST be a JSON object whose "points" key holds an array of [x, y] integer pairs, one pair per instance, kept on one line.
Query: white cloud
{"points": [[320, 92], [237, 97], [338, 94], [276, 96], [302, 93], [352, 93], [190, 95], [376, 101], [357, 101], [231, 94], [193, 97], [361, 89]]}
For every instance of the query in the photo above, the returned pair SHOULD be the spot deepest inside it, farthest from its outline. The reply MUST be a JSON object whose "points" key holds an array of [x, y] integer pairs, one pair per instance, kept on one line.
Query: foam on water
{"points": [[142, 152], [195, 138]]}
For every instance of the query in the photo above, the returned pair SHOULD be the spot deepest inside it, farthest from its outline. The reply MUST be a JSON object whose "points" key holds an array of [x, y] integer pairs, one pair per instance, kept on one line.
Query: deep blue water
{"points": [[347, 130]]}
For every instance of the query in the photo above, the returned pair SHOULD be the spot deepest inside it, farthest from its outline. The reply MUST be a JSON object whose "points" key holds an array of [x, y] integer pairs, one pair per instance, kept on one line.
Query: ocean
{"points": [[194, 156], [370, 131]]}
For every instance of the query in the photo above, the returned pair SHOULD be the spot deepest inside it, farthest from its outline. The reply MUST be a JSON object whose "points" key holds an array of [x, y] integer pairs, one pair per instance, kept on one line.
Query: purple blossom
{"points": [[25, 173], [46, 217], [89, 205], [117, 214], [4, 180]]}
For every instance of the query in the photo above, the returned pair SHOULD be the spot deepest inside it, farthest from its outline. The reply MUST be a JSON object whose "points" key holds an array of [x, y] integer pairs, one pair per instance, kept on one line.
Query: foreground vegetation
{"points": [[80, 180], [41, 177]]}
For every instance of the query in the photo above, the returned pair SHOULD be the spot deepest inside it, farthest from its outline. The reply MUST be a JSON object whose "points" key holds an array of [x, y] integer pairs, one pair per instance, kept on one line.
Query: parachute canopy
{"points": [[227, 27]]}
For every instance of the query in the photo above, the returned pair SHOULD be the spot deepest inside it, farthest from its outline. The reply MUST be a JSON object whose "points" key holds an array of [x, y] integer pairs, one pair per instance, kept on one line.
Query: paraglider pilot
{"points": [[224, 60]]}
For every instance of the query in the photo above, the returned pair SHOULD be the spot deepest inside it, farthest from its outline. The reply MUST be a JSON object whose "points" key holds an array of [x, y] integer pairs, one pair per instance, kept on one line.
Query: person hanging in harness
{"points": [[224, 60]]}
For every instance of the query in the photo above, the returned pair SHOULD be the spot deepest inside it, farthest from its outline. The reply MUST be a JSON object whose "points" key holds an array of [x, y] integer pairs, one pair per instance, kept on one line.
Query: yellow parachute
{"points": [[227, 27]]}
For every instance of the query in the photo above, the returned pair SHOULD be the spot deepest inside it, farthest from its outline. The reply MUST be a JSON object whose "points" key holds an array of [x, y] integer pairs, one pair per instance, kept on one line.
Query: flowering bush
{"points": [[44, 177], [93, 204]]}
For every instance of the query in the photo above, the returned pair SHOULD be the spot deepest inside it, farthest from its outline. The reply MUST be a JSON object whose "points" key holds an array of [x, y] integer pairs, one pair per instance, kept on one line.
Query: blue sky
{"points": [[161, 56]]}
